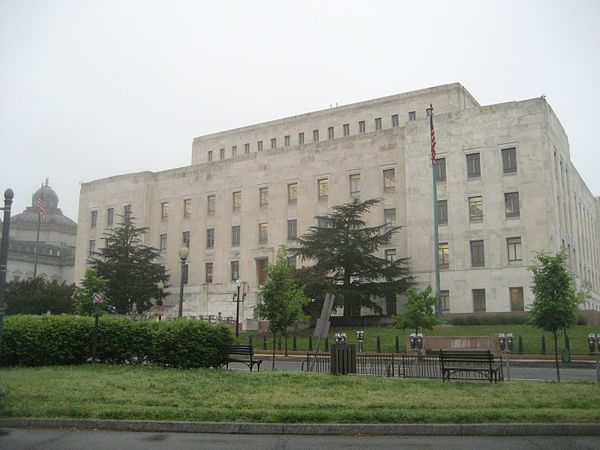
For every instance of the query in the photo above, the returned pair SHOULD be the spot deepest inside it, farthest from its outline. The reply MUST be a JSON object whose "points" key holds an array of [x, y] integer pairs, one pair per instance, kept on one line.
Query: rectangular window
{"points": [[445, 300], [185, 273], [292, 228], [389, 180], [185, 238], [233, 150], [322, 222], [442, 210], [444, 255], [511, 201], [390, 254], [162, 246], [221, 153], [164, 210], [261, 270], [517, 302], [92, 247], [300, 138], [273, 142], [259, 146], [330, 133], [473, 166], [395, 121], [315, 135], [323, 188], [211, 204], [208, 267], [210, 238], [362, 127], [378, 123], [292, 261], [94, 219], [412, 115], [346, 128], [509, 160], [236, 201], [389, 218], [126, 210], [286, 140], [263, 197], [235, 236], [477, 254], [187, 208], [263, 233], [247, 148], [292, 193], [110, 216], [354, 180], [235, 270], [210, 155], [476, 209], [439, 169], [513, 246], [478, 300]]}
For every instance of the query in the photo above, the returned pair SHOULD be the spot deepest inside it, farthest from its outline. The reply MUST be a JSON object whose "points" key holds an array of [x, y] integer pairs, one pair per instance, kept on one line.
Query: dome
{"points": [[47, 194], [53, 213]]}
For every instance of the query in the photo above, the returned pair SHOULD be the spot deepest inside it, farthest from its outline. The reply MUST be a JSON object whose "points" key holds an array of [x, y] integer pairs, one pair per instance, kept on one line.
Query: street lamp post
{"points": [[238, 283], [183, 254], [8, 198]]}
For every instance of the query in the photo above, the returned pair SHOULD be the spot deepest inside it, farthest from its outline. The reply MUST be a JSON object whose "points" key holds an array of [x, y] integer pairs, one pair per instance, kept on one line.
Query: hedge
{"points": [[65, 340]]}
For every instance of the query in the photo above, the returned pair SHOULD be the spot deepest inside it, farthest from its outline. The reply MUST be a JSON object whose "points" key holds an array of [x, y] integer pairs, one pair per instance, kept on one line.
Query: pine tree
{"points": [[130, 268], [343, 250]]}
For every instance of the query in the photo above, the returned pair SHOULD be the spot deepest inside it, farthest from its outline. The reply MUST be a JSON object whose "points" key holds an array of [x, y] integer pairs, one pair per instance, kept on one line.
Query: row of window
{"points": [[477, 248], [512, 208], [110, 216], [287, 140], [509, 164], [517, 301]]}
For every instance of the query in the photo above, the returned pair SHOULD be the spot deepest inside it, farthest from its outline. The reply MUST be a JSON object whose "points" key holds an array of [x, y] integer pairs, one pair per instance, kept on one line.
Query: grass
{"points": [[151, 393], [531, 337]]}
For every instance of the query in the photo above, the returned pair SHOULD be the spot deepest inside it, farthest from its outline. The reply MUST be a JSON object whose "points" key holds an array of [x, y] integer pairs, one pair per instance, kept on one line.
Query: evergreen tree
{"points": [[282, 299], [130, 268], [343, 250], [418, 311], [92, 283], [556, 303]]}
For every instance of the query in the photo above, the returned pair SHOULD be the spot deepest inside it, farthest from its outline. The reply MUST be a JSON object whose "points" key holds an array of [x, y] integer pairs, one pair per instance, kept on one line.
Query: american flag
{"points": [[432, 134], [42, 207]]}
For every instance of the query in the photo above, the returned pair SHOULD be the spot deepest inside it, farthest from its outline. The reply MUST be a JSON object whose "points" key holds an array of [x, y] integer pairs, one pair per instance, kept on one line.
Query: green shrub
{"points": [[188, 343], [121, 340]]}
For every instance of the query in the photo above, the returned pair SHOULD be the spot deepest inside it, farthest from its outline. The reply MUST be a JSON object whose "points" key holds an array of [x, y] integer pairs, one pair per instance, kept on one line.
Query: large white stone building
{"points": [[506, 190]]}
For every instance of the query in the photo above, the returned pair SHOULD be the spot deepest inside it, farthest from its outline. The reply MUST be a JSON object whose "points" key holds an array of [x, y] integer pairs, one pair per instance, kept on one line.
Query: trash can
{"points": [[343, 358]]}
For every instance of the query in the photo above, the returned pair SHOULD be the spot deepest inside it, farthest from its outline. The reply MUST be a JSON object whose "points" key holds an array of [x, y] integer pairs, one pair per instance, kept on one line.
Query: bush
{"points": [[187, 344], [508, 319], [65, 340]]}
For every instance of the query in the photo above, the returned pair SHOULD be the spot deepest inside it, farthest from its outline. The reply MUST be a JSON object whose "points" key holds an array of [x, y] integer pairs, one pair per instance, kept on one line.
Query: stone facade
{"points": [[509, 189]]}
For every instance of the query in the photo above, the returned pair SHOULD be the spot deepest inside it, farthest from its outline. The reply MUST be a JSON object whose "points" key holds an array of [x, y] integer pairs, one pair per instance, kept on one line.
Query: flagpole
{"points": [[436, 239], [37, 239]]}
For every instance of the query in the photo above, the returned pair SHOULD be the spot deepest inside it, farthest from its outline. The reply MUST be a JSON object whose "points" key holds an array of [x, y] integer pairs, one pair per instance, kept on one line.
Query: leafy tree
{"points": [[556, 302], [130, 268], [282, 298], [84, 304], [343, 250], [37, 296], [418, 311]]}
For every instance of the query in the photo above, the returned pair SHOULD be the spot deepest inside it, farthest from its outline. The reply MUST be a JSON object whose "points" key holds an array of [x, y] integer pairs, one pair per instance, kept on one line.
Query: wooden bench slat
{"points": [[229, 352]]}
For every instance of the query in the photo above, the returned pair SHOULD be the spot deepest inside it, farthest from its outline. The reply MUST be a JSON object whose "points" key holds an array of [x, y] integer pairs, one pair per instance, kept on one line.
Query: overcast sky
{"points": [[91, 89]]}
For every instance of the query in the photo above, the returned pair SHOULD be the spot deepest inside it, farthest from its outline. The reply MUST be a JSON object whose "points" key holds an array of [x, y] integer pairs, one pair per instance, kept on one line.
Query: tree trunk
{"points": [[556, 357], [274, 343]]}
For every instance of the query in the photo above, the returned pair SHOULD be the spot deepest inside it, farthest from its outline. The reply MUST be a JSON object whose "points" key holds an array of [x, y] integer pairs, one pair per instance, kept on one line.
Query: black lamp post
{"points": [[8, 199], [238, 283], [183, 254], [592, 344]]}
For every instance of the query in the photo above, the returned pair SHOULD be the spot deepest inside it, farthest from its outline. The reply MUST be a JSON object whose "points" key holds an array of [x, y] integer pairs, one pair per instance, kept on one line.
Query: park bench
{"points": [[453, 362], [239, 353]]}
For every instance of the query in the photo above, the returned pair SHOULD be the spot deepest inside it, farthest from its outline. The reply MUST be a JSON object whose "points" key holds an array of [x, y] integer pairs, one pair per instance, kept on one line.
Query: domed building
{"points": [[56, 249]]}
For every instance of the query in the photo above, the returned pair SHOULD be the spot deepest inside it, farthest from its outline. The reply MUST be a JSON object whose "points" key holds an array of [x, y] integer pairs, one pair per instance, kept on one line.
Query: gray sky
{"points": [[91, 89]]}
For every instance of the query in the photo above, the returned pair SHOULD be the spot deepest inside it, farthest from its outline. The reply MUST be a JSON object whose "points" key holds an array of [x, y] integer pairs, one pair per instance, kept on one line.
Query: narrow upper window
{"points": [[187, 208], [211, 203], [509, 160], [390, 254], [389, 218], [513, 247], [517, 302], [247, 148], [235, 270], [395, 121], [110, 216], [442, 210], [444, 255], [94, 219], [389, 180], [346, 128], [92, 248], [185, 238], [476, 209], [263, 233], [127, 211], [221, 153], [378, 123], [235, 236], [315, 135], [412, 115], [445, 300], [354, 180], [164, 210], [233, 150], [286, 140], [237, 201], [478, 300], [330, 133], [209, 272], [473, 166], [300, 138], [323, 188], [273, 142], [362, 127], [210, 155], [292, 229], [511, 201], [259, 146], [477, 254], [210, 238], [292, 193], [162, 245], [439, 169], [263, 194]]}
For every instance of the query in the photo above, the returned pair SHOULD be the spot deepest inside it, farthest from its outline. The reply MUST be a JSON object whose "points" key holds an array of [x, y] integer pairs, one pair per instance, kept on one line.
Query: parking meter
{"points": [[598, 340], [360, 336], [413, 341], [592, 342], [502, 341], [338, 338], [509, 342], [344, 337], [420, 341]]}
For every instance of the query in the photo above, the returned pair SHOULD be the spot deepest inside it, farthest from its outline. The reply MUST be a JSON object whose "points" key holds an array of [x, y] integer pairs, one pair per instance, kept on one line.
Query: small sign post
{"points": [[323, 324], [97, 299]]}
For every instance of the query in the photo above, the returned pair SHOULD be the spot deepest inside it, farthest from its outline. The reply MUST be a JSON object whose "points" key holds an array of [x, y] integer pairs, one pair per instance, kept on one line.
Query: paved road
{"points": [[30, 439]]}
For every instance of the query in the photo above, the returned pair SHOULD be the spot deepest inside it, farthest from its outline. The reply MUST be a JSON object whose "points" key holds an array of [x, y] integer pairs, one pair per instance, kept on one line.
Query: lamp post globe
{"points": [[183, 254]]}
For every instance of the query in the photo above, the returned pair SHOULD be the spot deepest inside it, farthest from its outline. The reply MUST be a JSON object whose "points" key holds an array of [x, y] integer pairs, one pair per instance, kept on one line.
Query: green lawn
{"points": [[126, 392], [531, 337]]}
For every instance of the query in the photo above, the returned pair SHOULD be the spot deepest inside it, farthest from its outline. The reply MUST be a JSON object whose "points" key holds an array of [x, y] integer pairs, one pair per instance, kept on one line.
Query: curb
{"points": [[508, 429]]}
